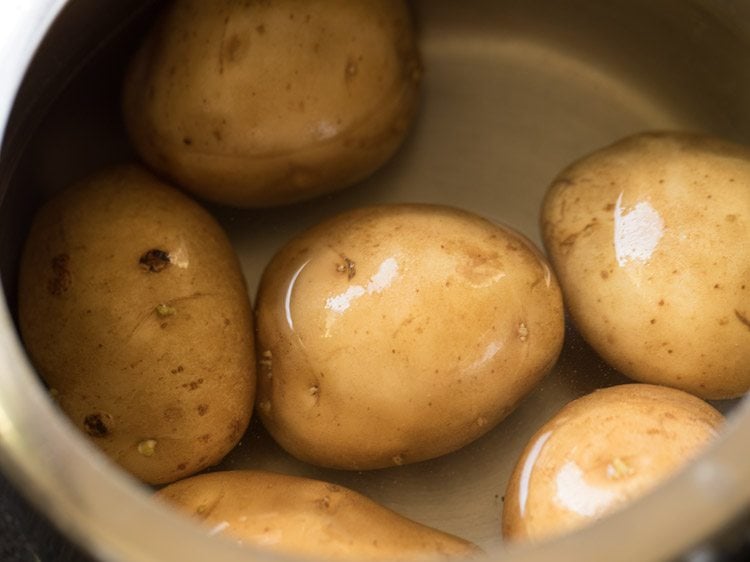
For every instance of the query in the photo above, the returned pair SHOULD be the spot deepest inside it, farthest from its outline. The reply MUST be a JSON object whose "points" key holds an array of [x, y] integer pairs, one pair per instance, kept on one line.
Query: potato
{"points": [[600, 452], [393, 334], [134, 311], [650, 238], [306, 517], [263, 103]]}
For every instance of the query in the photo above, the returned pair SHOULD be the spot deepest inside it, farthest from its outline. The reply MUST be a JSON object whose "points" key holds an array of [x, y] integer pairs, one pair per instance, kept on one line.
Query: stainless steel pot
{"points": [[513, 92]]}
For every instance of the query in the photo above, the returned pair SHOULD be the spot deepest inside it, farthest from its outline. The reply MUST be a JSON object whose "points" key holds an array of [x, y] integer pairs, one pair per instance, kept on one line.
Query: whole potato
{"points": [[263, 103], [133, 308], [651, 240], [394, 334], [307, 517], [600, 452]]}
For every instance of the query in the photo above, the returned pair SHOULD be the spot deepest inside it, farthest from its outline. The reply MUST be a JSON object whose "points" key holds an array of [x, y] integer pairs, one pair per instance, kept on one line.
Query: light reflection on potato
{"points": [[650, 238], [600, 452], [393, 334]]}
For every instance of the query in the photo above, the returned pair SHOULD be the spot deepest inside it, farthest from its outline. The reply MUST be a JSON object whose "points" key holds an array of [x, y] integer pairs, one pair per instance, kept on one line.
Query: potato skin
{"points": [[600, 452], [263, 103], [650, 238], [307, 517], [393, 334], [133, 309]]}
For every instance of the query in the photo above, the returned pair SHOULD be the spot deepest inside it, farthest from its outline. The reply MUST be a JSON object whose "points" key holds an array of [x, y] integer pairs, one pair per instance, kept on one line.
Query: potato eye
{"points": [[155, 260]]}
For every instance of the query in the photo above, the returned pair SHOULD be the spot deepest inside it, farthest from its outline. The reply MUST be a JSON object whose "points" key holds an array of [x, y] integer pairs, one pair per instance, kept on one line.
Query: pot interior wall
{"points": [[513, 92]]}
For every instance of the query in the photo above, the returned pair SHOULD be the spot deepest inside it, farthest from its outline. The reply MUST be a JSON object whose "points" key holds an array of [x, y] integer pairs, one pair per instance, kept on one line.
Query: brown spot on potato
{"points": [[187, 141], [177, 369], [234, 48], [205, 438], [173, 413], [98, 424], [731, 218], [193, 385], [155, 260], [568, 242], [261, 29], [604, 274], [742, 317], [348, 267], [202, 409], [475, 265], [61, 278], [182, 466], [234, 429]]}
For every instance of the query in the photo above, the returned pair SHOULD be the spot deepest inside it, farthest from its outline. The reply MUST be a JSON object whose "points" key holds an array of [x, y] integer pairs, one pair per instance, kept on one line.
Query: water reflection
{"points": [[637, 232]]}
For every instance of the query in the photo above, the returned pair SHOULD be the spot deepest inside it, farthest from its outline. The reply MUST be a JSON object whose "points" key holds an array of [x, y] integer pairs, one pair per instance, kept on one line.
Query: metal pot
{"points": [[513, 92]]}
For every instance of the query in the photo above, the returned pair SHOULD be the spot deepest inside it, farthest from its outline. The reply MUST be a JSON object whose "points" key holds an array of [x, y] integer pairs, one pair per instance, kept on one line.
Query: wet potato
{"points": [[599, 453], [394, 334], [262, 103], [305, 517], [134, 311], [650, 239]]}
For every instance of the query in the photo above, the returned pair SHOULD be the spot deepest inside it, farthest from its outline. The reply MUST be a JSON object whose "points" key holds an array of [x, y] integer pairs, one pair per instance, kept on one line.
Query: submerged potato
{"points": [[134, 311], [262, 103], [394, 334], [307, 517], [600, 452], [650, 238]]}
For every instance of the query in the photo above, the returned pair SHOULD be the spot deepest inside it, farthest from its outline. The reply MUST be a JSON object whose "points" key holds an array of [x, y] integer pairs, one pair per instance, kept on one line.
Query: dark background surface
{"points": [[25, 536]]}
